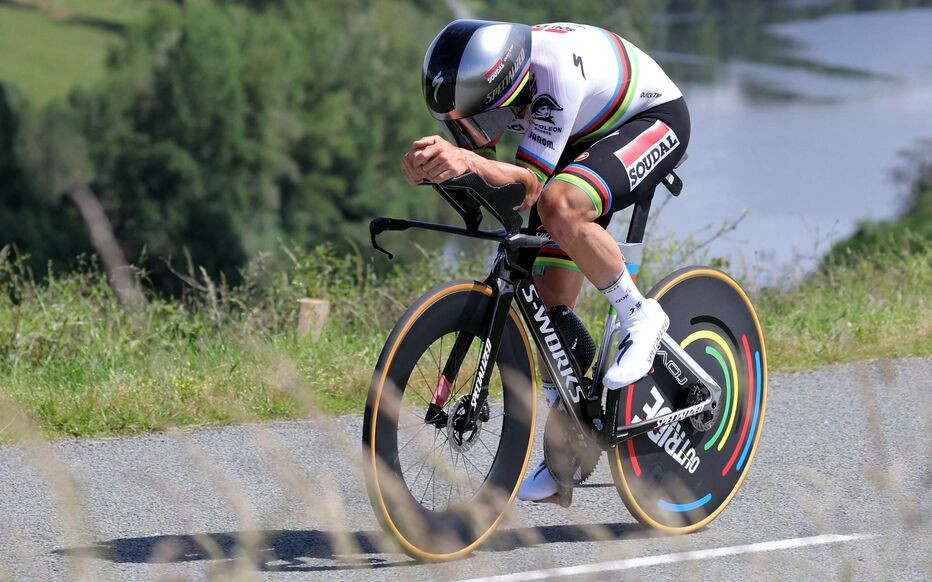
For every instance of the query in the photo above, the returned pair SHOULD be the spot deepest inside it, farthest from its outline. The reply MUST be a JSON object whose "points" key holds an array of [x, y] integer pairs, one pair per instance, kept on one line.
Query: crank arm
{"points": [[623, 433]]}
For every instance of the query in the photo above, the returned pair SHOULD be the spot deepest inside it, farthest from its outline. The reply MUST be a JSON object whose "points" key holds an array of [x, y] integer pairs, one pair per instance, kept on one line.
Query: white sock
{"points": [[551, 394], [622, 293]]}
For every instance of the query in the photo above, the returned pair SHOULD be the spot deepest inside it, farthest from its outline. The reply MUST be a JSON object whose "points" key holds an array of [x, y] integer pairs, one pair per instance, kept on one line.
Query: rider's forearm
{"points": [[499, 173]]}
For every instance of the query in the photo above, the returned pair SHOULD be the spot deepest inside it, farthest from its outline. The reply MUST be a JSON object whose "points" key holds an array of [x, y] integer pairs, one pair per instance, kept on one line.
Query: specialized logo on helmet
{"points": [[507, 79], [435, 83]]}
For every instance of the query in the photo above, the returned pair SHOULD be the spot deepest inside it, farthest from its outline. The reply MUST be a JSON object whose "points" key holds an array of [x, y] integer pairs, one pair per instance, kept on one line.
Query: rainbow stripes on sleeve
{"points": [[538, 165]]}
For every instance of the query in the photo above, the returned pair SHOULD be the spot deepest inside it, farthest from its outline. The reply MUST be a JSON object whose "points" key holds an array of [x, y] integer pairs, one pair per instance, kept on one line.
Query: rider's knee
{"points": [[560, 211]]}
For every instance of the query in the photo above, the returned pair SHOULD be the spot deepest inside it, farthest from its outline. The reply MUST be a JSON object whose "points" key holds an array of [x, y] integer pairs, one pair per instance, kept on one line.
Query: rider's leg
{"points": [[575, 206], [568, 215], [568, 212]]}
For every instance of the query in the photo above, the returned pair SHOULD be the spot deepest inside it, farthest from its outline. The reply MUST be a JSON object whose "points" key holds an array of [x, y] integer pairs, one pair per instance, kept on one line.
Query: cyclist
{"points": [[602, 124]]}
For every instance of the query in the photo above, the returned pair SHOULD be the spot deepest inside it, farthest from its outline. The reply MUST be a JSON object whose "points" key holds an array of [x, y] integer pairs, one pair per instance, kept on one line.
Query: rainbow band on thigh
{"points": [[591, 183], [553, 256]]}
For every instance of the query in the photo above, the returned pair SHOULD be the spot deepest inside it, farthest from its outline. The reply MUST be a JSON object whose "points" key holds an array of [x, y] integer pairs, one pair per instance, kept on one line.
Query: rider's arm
{"points": [[556, 104], [436, 160], [499, 173]]}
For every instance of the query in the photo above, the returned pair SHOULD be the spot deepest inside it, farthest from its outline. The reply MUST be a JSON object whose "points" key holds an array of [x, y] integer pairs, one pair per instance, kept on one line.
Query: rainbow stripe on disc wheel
{"points": [[678, 479]]}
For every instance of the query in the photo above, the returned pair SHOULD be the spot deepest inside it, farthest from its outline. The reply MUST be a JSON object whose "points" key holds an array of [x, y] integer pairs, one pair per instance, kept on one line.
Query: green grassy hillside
{"points": [[47, 47]]}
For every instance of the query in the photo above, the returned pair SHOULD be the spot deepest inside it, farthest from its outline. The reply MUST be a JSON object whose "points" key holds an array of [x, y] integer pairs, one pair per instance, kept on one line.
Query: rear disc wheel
{"points": [[678, 478]]}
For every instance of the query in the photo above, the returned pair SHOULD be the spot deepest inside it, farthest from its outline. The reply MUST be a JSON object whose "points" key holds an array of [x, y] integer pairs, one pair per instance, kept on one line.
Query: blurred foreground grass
{"points": [[78, 364]]}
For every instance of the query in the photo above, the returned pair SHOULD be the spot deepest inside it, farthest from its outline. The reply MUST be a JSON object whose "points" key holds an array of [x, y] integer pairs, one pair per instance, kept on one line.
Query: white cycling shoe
{"points": [[538, 485], [638, 346]]}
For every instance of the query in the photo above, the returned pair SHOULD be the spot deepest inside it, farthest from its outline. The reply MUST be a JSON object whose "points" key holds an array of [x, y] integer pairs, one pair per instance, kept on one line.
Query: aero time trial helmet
{"points": [[476, 77]]}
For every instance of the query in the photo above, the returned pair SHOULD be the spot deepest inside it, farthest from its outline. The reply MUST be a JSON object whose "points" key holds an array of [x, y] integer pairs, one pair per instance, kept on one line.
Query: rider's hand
{"points": [[411, 171], [532, 191], [437, 160]]}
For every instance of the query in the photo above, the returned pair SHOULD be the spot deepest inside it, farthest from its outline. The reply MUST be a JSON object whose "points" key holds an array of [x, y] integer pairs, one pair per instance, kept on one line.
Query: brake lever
{"points": [[380, 224], [376, 227]]}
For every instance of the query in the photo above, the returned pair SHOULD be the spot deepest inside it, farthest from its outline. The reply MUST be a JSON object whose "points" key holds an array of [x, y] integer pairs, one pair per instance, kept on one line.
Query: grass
{"points": [[859, 306], [47, 47], [78, 364], [74, 362]]}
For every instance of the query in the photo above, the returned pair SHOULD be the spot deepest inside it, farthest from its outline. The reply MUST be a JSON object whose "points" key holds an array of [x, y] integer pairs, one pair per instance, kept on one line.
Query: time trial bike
{"points": [[450, 417]]}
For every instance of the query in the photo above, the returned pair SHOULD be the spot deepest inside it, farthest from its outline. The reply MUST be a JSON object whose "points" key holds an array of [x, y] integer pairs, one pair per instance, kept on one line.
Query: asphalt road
{"points": [[845, 452]]}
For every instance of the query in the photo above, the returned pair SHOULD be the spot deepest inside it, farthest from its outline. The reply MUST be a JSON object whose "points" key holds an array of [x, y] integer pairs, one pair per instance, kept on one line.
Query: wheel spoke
{"points": [[479, 438], [439, 363], [478, 470], [417, 432], [420, 420], [452, 477], [463, 385], [421, 501], [493, 432], [422, 459], [433, 356]]}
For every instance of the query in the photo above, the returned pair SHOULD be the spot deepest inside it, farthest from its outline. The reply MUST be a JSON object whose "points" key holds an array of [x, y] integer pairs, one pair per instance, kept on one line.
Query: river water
{"points": [[804, 140]]}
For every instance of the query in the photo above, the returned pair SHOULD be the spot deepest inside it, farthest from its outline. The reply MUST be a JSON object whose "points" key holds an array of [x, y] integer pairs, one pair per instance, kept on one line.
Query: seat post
{"points": [[639, 220]]}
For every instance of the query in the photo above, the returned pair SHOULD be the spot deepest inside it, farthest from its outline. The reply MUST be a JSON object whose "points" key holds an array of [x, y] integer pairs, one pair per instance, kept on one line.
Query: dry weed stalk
{"points": [[76, 531]]}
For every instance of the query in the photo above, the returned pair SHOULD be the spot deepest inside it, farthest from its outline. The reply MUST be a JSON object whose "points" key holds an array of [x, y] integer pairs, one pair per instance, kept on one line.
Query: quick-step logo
{"points": [[545, 326], [669, 435]]}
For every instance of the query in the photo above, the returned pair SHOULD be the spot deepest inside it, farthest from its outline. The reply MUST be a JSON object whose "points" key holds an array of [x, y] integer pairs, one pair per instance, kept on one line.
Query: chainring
{"points": [[704, 420], [571, 457]]}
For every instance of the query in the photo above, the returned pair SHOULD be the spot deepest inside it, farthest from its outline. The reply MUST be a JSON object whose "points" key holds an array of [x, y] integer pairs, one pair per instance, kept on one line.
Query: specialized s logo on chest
{"points": [[554, 346]]}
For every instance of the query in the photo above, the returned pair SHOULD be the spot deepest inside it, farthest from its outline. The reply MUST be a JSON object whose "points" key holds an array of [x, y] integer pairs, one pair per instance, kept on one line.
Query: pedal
{"points": [[563, 497]]}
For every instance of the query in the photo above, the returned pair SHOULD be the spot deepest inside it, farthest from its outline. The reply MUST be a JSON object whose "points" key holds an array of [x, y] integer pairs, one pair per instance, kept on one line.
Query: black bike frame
{"points": [[510, 279]]}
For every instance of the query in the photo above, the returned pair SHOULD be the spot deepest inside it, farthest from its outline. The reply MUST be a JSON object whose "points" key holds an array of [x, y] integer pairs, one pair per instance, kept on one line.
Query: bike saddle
{"points": [[499, 201]]}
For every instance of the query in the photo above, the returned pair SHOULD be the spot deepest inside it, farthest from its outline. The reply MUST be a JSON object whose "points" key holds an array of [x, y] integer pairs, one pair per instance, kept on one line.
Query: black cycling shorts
{"points": [[621, 168]]}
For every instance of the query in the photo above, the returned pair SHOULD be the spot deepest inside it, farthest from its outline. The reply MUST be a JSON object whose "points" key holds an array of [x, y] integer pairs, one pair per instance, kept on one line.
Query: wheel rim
{"points": [[422, 533]]}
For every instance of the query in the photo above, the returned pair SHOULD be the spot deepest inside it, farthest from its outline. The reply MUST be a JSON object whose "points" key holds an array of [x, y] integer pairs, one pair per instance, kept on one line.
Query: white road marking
{"points": [[631, 563]]}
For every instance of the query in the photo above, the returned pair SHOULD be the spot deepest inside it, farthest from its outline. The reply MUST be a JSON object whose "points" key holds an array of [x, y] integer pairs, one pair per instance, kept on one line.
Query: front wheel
{"points": [[438, 489], [678, 479]]}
